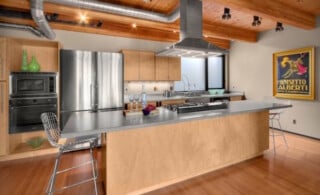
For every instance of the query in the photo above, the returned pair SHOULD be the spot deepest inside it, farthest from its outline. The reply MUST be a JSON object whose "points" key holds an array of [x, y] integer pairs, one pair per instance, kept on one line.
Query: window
{"points": [[192, 75], [215, 72], [200, 74]]}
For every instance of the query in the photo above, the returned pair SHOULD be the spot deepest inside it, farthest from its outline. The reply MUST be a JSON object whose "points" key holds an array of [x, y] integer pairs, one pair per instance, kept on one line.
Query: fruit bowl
{"points": [[146, 111], [35, 142]]}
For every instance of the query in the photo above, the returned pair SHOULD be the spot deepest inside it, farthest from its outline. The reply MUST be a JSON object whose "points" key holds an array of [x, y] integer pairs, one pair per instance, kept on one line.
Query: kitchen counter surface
{"points": [[88, 123], [159, 97]]}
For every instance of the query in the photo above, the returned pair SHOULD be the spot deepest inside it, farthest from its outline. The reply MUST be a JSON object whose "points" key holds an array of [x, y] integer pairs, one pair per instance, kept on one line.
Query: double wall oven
{"points": [[31, 94]]}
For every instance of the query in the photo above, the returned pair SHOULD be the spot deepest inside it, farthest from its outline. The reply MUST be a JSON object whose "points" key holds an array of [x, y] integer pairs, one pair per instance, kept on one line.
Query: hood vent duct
{"points": [[21, 27], [39, 18], [191, 43]]}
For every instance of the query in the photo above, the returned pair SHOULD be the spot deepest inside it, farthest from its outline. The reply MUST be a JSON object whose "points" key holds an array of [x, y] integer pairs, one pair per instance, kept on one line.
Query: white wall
{"points": [[251, 72]]}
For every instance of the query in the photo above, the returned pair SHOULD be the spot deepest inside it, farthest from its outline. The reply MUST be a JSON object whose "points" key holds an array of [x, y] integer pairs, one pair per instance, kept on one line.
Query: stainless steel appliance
{"points": [[89, 82], [31, 84], [191, 42], [196, 107], [31, 94]]}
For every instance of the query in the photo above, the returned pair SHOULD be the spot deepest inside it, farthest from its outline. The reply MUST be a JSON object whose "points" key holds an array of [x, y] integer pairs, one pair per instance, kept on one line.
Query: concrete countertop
{"points": [[88, 123], [159, 97]]}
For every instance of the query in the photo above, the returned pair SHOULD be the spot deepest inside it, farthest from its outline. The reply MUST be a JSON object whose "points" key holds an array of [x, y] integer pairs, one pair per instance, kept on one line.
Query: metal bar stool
{"points": [[274, 116], [53, 132]]}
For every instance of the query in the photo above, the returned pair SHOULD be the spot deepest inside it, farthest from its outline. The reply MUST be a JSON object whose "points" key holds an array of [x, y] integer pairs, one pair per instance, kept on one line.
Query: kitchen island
{"points": [[143, 153]]}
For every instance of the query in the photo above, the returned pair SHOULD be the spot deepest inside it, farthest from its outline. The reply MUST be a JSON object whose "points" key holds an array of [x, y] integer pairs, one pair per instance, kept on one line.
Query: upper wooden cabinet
{"points": [[168, 68], [138, 65], [3, 62]]}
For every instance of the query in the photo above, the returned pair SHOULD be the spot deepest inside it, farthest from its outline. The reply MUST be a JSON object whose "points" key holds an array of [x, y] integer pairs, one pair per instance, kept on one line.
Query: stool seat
{"points": [[53, 133]]}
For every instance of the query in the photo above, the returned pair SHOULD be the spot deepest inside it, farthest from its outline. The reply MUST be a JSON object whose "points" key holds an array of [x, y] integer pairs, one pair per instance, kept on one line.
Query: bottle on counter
{"points": [[143, 98]]}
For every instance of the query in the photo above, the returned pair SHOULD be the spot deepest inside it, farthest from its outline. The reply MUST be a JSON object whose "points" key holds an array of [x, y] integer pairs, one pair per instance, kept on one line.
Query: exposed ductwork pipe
{"points": [[120, 10], [39, 18], [22, 27]]}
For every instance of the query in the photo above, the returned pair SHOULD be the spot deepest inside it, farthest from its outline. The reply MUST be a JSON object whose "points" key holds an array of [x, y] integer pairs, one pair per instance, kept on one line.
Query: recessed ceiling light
{"points": [[83, 18]]}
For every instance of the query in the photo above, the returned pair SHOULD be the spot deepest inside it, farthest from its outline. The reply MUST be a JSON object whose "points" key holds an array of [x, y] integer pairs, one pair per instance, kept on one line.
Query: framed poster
{"points": [[293, 74]]}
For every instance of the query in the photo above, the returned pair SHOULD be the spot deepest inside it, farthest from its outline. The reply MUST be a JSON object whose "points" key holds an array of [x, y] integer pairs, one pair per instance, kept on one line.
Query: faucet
{"points": [[185, 77]]}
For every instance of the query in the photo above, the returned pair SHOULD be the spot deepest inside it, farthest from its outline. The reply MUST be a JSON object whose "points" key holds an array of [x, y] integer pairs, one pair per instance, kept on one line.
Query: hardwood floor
{"points": [[293, 170]]}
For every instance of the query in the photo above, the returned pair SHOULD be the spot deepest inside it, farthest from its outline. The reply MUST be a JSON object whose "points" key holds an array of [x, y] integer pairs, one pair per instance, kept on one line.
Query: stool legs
{"points": [[50, 188], [94, 171], [281, 133]]}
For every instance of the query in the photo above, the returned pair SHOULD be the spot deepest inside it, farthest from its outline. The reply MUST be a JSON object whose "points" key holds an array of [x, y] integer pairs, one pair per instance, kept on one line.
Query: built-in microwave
{"points": [[24, 84]]}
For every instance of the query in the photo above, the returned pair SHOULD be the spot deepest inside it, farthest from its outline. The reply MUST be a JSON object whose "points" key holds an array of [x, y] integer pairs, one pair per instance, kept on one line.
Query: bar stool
{"points": [[53, 133], [274, 116]]}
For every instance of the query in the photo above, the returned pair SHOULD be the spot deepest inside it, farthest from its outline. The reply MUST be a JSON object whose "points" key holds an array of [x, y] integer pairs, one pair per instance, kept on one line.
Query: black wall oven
{"points": [[31, 94]]}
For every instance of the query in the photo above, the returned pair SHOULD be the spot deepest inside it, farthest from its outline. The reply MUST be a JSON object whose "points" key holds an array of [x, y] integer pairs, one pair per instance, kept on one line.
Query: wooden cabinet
{"points": [[169, 102], [174, 69], [236, 98], [4, 118], [131, 65], [168, 68], [3, 64], [138, 65], [47, 54], [147, 68]]}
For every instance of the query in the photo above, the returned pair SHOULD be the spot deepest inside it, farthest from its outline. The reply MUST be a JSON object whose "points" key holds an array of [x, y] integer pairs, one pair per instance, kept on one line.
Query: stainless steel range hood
{"points": [[191, 43]]}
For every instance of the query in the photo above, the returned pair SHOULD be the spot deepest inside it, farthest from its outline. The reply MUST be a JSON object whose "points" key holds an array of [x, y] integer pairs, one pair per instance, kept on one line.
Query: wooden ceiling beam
{"points": [[229, 32], [272, 9]]}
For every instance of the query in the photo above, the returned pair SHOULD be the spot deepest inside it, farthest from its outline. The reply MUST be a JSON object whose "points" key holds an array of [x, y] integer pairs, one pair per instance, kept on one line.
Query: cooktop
{"points": [[196, 107]]}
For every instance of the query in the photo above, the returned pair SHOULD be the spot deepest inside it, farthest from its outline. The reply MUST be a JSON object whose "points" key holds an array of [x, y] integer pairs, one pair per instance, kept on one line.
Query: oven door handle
{"points": [[33, 105]]}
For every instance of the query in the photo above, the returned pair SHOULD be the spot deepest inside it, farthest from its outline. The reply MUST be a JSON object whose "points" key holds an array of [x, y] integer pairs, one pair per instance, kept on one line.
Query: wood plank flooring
{"points": [[293, 170]]}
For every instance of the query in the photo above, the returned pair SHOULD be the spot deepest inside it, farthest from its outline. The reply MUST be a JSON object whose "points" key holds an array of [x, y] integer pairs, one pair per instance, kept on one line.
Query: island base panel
{"points": [[144, 159]]}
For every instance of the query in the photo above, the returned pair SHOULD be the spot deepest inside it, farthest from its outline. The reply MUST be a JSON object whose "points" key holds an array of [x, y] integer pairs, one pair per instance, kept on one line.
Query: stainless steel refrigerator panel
{"points": [[109, 80], [77, 73]]}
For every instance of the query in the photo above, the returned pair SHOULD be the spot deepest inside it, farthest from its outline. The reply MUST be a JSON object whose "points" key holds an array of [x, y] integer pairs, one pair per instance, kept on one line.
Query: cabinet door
{"points": [[147, 67], [174, 69], [3, 67], [3, 118], [131, 65], [162, 71]]}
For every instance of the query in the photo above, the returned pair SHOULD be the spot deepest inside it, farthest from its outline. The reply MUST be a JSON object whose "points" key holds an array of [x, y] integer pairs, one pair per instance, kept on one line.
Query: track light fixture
{"points": [[256, 21], [226, 14], [279, 27]]}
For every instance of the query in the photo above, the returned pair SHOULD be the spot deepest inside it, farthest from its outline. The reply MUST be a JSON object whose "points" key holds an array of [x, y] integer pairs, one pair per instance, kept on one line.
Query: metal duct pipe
{"points": [[120, 10], [39, 18], [22, 27]]}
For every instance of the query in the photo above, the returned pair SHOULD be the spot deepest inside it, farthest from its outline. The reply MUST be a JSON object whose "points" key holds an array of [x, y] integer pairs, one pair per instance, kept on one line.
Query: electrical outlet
{"points": [[294, 121]]}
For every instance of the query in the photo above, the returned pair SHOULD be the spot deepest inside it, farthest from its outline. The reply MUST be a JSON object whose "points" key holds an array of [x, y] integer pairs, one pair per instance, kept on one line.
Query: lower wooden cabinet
{"points": [[4, 138]]}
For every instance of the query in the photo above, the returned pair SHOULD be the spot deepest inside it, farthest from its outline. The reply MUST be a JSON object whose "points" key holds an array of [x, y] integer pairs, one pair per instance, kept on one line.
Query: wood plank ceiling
{"points": [[298, 13]]}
